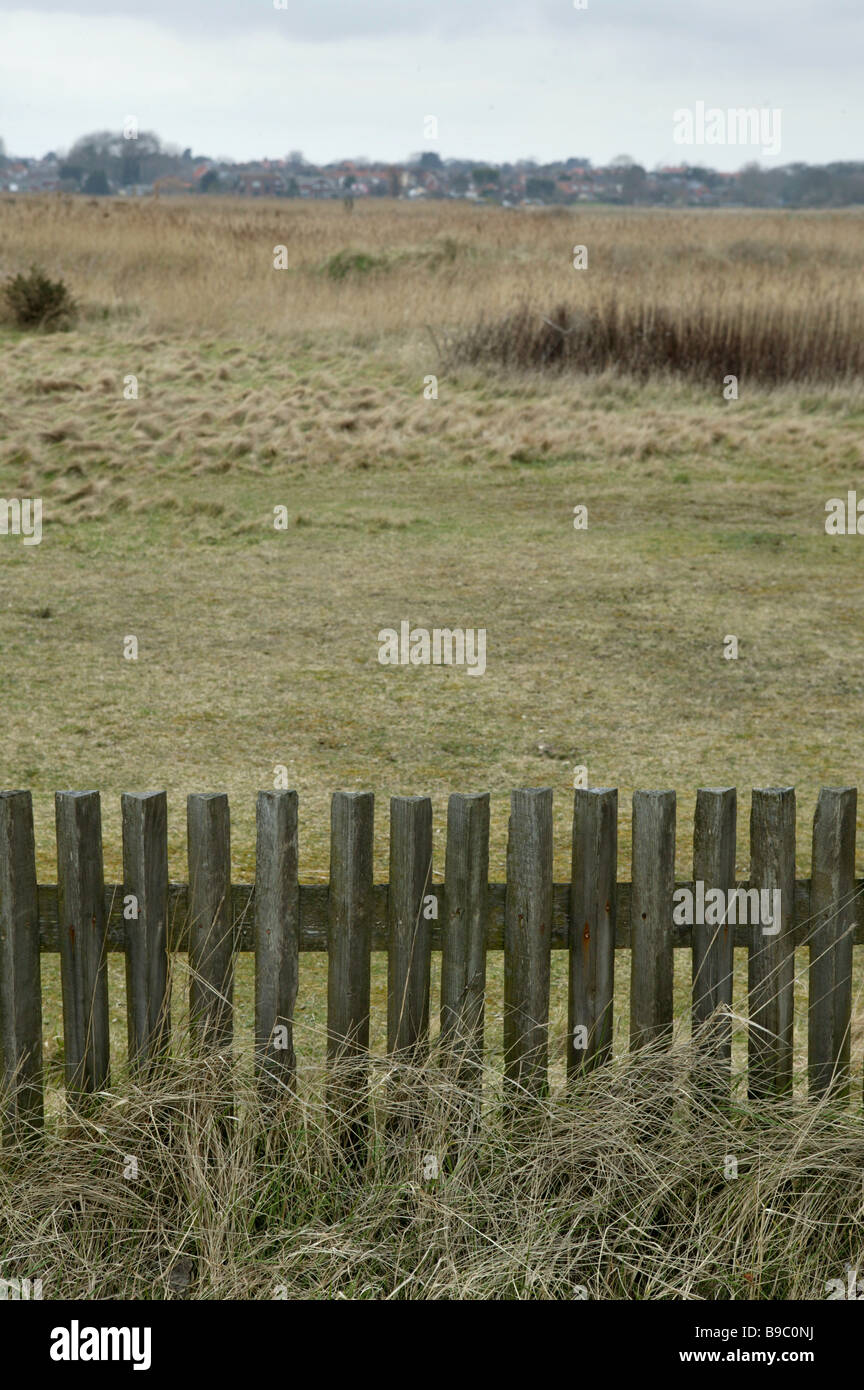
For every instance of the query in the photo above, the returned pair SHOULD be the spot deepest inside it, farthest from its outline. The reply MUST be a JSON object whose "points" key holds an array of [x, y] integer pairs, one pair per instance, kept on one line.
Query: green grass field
{"points": [[258, 647]]}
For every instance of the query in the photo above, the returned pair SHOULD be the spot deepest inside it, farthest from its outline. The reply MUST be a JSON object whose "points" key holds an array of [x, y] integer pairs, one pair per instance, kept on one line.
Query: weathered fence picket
{"points": [[20, 980], [463, 932], [832, 888], [771, 964], [277, 930], [409, 917], [145, 896], [211, 928], [83, 964], [592, 916], [527, 939], [714, 836], [651, 972], [349, 939]]}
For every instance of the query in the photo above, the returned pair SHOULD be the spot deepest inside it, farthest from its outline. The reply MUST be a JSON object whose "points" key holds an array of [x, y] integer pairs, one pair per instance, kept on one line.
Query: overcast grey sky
{"points": [[506, 79]]}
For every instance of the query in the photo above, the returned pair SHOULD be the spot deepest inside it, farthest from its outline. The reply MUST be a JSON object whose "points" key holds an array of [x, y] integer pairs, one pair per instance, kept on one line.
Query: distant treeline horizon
{"points": [[107, 162]]}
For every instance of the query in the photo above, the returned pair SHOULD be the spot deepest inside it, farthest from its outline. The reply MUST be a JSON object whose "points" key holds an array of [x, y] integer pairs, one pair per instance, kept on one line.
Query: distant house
{"points": [[317, 186], [259, 182]]}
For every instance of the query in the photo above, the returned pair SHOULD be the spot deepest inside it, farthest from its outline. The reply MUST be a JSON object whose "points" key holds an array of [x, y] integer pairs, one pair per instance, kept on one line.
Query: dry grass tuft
{"points": [[768, 345], [621, 1188]]}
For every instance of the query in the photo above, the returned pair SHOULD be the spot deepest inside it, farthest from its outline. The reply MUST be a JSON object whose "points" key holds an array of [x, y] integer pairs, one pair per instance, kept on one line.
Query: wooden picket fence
{"points": [[148, 917]]}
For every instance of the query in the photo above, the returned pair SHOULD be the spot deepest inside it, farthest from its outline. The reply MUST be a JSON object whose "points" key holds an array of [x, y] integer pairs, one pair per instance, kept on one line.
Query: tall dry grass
{"points": [[769, 343], [392, 270], [631, 1185]]}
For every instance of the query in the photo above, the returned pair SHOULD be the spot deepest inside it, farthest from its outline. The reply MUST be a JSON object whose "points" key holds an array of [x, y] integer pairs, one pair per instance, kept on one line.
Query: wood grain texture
{"points": [[527, 939], [145, 877], [410, 928], [714, 840], [771, 962], [832, 923], [651, 917], [314, 917], [211, 933], [20, 977], [349, 928], [349, 964], [83, 962], [277, 937], [593, 915], [463, 933]]}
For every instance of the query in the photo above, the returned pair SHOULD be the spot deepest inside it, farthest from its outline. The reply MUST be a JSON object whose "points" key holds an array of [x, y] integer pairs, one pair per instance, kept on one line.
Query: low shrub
{"points": [[36, 301], [347, 262]]}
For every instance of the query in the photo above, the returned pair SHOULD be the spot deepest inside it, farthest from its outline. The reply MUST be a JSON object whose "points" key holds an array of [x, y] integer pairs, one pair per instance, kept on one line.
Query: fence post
{"points": [[83, 940], [410, 932], [651, 959], [20, 978], [771, 966], [211, 944], [277, 938], [714, 841], [527, 939], [463, 934], [145, 878], [593, 917], [832, 926], [463, 957], [349, 939]]}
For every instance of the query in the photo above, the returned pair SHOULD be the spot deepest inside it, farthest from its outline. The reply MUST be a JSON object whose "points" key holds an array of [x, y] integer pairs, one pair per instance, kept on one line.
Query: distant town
{"points": [[130, 164]]}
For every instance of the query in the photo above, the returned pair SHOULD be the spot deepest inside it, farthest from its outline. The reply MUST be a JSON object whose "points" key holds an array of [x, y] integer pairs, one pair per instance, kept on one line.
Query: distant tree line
{"points": [[95, 162], [104, 161]]}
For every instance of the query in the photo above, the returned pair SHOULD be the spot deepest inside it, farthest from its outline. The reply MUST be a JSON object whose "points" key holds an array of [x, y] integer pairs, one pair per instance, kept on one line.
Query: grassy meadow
{"points": [[306, 388]]}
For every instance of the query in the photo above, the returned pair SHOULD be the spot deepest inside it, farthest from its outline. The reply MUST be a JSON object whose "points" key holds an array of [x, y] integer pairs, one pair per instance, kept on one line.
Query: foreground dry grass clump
{"points": [[756, 342], [633, 1185]]}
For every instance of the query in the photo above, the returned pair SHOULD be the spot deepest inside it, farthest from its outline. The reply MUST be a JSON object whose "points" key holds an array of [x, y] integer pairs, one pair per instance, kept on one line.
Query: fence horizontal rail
{"points": [[314, 899]]}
